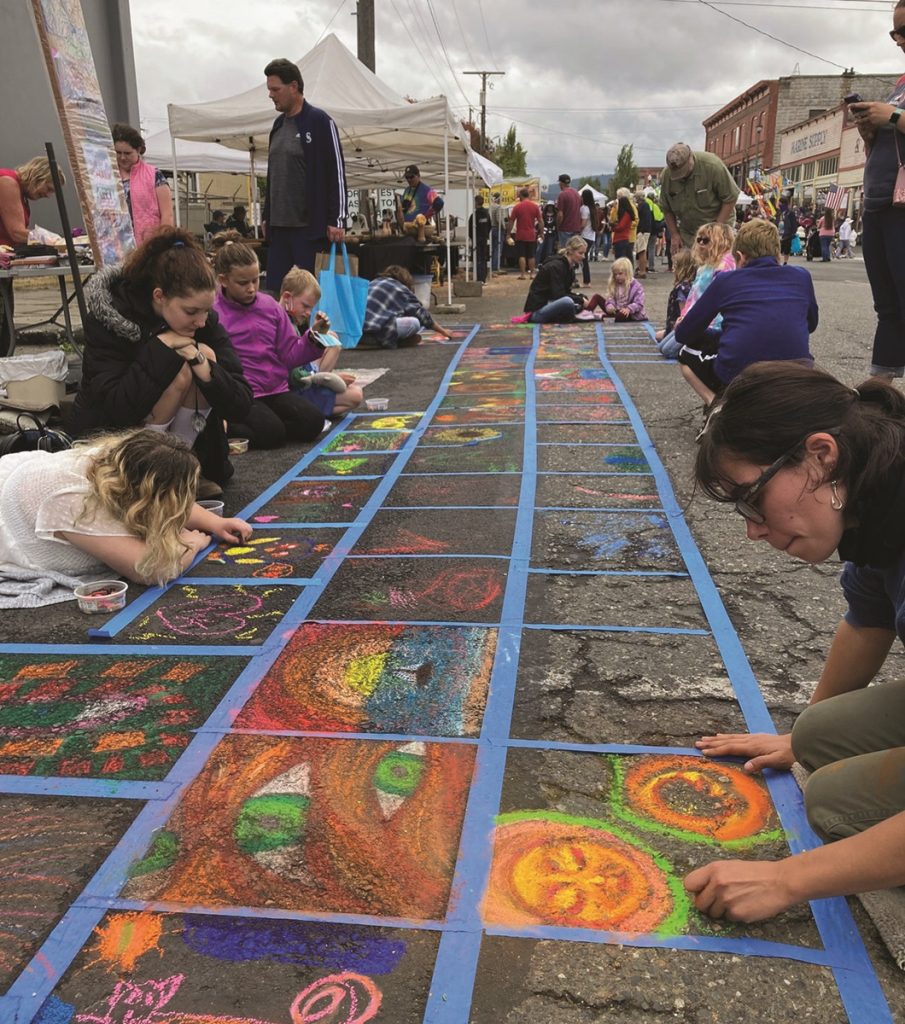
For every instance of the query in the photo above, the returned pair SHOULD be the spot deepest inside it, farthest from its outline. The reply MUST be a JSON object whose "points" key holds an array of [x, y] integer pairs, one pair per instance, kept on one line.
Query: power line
{"points": [[760, 31], [462, 33], [611, 110], [491, 60], [417, 48], [430, 8], [788, 7], [342, 4]]}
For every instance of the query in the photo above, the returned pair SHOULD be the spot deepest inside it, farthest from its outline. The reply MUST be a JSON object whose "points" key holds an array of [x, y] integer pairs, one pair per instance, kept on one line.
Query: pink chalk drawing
{"points": [[346, 998], [349, 999]]}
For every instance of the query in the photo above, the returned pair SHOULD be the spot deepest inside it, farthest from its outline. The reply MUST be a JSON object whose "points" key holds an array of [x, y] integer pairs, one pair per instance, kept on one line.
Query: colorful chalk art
{"points": [[321, 777]]}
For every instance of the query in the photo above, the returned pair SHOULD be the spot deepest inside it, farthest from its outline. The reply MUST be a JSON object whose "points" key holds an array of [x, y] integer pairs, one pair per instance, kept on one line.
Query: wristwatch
{"points": [[895, 115], [197, 360]]}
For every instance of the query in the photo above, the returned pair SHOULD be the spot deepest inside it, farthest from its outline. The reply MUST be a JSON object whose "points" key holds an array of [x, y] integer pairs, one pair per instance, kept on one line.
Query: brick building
{"points": [[747, 132]]}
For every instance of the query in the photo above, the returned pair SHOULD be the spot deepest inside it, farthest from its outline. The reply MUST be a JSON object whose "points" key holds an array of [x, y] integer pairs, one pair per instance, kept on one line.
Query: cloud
{"points": [[581, 80]]}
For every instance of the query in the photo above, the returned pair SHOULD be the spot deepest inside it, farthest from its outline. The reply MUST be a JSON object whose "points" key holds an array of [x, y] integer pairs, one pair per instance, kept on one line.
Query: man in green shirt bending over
{"points": [[696, 188]]}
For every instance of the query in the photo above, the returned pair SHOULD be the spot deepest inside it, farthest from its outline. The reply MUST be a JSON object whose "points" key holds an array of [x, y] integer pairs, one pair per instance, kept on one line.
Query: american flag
{"points": [[836, 198]]}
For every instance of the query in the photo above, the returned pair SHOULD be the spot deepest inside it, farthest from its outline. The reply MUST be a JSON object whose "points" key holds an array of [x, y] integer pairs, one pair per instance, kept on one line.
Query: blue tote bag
{"points": [[343, 299]]}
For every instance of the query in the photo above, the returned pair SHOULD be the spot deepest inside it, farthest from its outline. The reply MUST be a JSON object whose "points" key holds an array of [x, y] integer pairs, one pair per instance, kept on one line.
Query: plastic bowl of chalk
{"points": [[238, 445], [102, 596], [377, 404]]}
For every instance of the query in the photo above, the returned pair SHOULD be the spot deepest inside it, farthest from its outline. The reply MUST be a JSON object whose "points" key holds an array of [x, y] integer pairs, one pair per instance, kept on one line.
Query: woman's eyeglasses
{"points": [[703, 240], [746, 502], [897, 33]]}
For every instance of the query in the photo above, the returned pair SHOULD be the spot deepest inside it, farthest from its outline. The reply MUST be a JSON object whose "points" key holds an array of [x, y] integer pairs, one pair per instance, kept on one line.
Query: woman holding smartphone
{"points": [[882, 125]]}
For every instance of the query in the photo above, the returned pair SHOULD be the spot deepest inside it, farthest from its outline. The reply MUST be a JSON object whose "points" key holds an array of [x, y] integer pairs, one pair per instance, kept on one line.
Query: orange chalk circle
{"points": [[715, 800], [572, 875]]}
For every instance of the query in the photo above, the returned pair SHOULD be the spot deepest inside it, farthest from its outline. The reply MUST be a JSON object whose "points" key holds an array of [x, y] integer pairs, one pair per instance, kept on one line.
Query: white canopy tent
{"points": [[381, 131], [197, 156]]}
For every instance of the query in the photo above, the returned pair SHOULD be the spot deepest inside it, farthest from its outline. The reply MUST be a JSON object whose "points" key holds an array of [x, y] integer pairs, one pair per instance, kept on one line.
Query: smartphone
{"points": [[324, 340], [853, 97]]}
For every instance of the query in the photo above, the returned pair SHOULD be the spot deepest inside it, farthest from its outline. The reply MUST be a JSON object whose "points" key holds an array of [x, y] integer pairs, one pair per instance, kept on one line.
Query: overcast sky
{"points": [[581, 79]]}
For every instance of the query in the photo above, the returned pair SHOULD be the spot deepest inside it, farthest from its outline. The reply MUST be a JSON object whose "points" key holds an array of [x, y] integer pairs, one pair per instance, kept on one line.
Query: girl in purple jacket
{"points": [[624, 299], [269, 347]]}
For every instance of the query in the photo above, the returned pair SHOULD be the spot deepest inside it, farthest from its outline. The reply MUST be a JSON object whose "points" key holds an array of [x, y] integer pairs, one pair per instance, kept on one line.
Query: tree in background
{"points": [[626, 173], [511, 155]]}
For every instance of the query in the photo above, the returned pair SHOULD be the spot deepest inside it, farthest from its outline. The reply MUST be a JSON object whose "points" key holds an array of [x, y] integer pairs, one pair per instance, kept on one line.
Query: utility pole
{"points": [[365, 14], [484, 76]]}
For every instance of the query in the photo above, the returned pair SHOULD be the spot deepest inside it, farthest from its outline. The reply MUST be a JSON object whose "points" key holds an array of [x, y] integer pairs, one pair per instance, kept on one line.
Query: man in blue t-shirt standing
{"points": [[305, 208]]}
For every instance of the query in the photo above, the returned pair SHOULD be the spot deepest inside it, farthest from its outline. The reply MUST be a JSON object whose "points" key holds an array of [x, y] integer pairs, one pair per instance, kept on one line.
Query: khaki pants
{"points": [[855, 746]]}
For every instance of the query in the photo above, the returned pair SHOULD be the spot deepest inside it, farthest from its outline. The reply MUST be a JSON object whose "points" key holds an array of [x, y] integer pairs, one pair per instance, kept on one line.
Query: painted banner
{"points": [[83, 119]]}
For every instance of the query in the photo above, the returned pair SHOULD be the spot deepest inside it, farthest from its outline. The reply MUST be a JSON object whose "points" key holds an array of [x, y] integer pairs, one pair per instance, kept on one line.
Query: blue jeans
{"points": [[546, 248], [667, 346], [586, 262], [624, 249], [559, 311], [883, 248], [826, 242], [496, 247], [564, 237]]}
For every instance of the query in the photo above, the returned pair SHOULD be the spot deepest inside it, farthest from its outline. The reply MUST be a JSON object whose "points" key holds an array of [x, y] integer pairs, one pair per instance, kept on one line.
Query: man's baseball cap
{"points": [[680, 160], [411, 171], [565, 179]]}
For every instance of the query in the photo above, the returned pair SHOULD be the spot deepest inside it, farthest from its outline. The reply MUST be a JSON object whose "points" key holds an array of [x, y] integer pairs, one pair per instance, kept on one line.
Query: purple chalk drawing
{"points": [[304, 944]]}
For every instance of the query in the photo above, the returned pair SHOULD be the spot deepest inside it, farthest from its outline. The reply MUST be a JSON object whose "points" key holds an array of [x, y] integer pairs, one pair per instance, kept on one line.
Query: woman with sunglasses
{"points": [[881, 126], [814, 467], [713, 251]]}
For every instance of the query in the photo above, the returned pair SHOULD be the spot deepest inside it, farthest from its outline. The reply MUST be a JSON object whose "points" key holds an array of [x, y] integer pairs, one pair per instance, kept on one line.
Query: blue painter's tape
{"points": [[248, 581], [404, 556], [701, 943], [383, 737], [603, 748], [182, 650], [664, 630], [859, 988], [454, 971], [166, 907], [119, 789], [605, 572], [586, 508]]}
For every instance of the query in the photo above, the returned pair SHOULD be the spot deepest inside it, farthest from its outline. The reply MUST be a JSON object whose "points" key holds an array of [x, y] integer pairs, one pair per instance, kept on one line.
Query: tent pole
{"points": [[449, 295], [467, 232], [253, 186], [175, 181]]}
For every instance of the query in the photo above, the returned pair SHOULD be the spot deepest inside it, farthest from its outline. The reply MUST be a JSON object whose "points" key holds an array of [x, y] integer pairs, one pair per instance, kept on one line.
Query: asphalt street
{"points": [[574, 688]]}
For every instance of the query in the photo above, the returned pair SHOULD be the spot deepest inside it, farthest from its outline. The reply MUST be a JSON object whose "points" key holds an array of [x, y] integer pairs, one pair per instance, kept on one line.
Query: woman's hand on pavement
{"points": [[233, 530], [762, 749], [740, 890]]}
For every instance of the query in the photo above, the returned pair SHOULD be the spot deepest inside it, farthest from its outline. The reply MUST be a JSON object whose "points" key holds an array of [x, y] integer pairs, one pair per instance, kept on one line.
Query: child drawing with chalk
{"points": [[334, 393]]}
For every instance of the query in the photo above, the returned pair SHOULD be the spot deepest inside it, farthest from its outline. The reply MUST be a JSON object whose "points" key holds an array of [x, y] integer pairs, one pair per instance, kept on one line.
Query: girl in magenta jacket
{"points": [[269, 348]]}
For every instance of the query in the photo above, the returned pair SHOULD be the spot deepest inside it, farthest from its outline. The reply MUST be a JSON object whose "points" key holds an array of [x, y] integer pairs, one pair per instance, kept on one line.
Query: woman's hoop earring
{"points": [[837, 503]]}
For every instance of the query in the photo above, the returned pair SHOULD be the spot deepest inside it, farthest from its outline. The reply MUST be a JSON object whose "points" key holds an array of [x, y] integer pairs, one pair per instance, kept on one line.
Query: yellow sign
{"points": [[509, 189]]}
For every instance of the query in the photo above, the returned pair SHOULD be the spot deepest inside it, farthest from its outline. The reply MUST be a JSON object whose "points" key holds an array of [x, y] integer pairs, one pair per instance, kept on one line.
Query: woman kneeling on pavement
{"points": [[156, 355], [550, 298], [814, 467]]}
